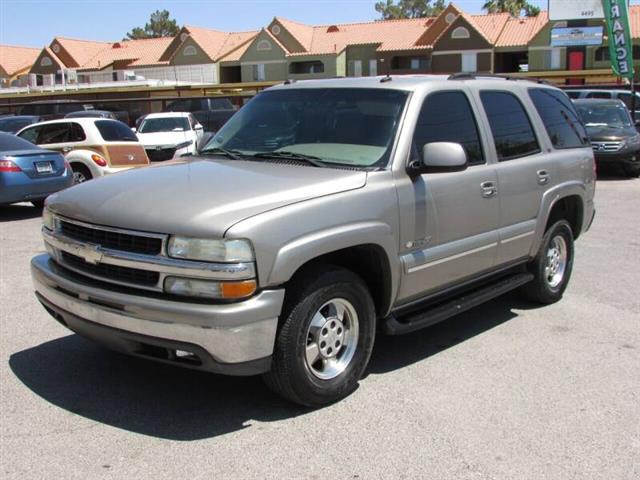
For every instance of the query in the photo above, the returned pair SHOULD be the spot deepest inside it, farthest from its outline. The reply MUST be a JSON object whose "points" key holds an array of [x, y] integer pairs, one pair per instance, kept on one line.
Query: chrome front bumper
{"points": [[231, 334]]}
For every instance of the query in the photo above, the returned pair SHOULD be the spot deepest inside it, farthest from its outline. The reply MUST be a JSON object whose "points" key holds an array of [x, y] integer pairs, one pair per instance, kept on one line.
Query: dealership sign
{"points": [[619, 32], [575, 9], [579, 36]]}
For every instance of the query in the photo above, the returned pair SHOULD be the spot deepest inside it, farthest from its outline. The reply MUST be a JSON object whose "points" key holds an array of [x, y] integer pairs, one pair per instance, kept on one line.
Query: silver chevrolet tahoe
{"points": [[323, 212]]}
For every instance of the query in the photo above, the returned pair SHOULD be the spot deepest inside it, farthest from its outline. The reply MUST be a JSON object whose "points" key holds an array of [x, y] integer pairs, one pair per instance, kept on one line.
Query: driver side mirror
{"points": [[440, 157]]}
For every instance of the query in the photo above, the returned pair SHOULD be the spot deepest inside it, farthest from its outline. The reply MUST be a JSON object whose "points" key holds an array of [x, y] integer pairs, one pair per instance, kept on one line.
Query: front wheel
{"points": [[552, 266], [325, 341]]}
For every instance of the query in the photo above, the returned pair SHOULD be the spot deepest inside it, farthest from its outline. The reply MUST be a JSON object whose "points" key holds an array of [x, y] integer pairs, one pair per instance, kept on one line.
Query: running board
{"points": [[443, 311]]}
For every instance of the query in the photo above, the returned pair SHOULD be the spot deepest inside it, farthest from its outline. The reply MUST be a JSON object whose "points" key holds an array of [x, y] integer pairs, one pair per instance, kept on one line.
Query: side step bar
{"points": [[443, 311]]}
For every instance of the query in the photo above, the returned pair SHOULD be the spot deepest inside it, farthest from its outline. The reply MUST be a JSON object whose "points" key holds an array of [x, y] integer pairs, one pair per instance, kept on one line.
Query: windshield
{"points": [[344, 126], [12, 125], [610, 115], [164, 124]]}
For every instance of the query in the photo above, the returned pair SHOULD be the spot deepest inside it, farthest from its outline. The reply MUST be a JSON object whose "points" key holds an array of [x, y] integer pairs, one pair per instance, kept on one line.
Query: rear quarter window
{"points": [[560, 118], [115, 131]]}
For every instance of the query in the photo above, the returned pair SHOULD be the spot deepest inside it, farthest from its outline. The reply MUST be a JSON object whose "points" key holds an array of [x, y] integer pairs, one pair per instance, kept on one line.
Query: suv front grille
{"points": [[112, 272], [160, 155], [113, 240], [606, 146]]}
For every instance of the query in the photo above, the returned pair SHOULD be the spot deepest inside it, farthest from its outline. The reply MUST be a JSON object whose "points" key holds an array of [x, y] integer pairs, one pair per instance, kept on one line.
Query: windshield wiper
{"points": [[286, 155], [234, 154]]}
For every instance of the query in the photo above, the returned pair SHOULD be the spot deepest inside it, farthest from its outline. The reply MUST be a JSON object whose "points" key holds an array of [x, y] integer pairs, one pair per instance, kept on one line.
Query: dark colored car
{"points": [[212, 113], [15, 123], [29, 173], [612, 133], [91, 114], [53, 109]]}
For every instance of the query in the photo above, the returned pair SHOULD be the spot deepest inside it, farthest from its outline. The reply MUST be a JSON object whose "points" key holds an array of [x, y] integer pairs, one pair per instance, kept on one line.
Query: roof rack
{"points": [[475, 76]]}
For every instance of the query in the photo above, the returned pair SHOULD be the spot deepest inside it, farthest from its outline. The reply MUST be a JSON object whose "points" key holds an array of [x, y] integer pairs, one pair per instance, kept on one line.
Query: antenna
{"points": [[388, 77]]}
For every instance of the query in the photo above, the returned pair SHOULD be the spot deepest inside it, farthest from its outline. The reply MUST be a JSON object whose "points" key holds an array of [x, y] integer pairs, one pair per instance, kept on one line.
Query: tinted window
{"points": [[510, 125], [164, 124], [221, 104], [626, 98], [573, 93], [31, 134], [559, 117], [599, 95], [448, 117], [600, 115], [114, 131], [76, 134], [10, 143], [59, 133]]}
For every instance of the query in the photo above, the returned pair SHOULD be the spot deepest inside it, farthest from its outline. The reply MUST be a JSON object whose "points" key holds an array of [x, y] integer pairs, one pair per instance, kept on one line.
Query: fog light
{"points": [[192, 287]]}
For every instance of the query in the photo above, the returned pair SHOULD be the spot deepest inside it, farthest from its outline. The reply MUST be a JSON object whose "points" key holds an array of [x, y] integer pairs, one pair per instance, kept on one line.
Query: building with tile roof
{"points": [[15, 61]]}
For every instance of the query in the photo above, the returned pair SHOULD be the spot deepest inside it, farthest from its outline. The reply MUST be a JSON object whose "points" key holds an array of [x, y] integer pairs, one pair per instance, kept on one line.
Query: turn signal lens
{"points": [[99, 160], [9, 166], [193, 287]]}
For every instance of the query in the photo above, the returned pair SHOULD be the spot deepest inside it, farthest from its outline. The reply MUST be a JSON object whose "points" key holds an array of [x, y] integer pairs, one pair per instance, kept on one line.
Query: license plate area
{"points": [[44, 167]]}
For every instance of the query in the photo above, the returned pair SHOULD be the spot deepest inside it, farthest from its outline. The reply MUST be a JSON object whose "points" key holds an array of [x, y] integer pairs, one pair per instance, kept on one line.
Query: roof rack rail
{"points": [[475, 76]]}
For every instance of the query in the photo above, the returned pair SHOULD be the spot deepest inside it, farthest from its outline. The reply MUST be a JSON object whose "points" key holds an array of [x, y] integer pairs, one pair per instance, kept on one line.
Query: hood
{"points": [[197, 197], [610, 134], [163, 138]]}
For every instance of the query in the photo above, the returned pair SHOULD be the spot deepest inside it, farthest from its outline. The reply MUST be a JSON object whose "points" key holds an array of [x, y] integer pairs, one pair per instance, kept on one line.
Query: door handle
{"points": [[488, 189], [543, 177], [67, 149]]}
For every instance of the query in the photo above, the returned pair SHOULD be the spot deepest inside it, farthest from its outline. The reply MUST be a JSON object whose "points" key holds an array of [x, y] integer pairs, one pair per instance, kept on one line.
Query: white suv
{"points": [[93, 146], [169, 135]]}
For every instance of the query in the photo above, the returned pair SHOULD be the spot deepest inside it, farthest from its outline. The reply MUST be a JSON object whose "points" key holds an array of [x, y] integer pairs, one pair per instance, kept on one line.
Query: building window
{"points": [[258, 72], [315, 66], [183, 36], [410, 63], [275, 30], [373, 67], [46, 62], [602, 54], [263, 46], [469, 62], [555, 58], [450, 17], [56, 48], [189, 51], [460, 33]]}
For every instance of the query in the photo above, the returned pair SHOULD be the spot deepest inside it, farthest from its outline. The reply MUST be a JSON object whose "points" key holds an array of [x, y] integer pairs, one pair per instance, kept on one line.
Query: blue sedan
{"points": [[29, 173]]}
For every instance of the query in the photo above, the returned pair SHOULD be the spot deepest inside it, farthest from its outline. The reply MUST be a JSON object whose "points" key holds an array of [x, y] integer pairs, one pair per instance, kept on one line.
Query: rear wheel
{"points": [[80, 173], [325, 340], [552, 266]]}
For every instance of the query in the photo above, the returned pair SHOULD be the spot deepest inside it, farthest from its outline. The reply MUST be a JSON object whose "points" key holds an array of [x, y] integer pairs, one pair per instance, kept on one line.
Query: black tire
{"points": [[632, 171], [38, 203], [290, 375], [80, 173], [542, 289]]}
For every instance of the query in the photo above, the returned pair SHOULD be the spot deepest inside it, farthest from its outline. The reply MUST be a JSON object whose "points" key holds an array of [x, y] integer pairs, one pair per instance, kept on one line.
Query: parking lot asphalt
{"points": [[505, 391]]}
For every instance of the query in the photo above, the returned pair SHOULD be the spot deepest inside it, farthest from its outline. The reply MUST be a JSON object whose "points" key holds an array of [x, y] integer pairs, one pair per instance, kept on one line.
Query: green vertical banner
{"points": [[616, 14]]}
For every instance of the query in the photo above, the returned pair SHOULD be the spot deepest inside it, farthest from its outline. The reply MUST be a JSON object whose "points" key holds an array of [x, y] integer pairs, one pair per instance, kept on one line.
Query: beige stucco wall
{"points": [[198, 59]]}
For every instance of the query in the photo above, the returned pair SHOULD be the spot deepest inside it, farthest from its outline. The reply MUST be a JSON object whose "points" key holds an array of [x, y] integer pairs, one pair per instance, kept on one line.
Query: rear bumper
{"points": [[235, 339], [18, 187]]}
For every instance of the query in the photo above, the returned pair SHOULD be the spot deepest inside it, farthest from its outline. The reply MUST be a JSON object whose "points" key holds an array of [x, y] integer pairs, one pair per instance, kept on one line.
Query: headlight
{"points": [[208, 250], [633, 141], [48, 221], [209, 289]]}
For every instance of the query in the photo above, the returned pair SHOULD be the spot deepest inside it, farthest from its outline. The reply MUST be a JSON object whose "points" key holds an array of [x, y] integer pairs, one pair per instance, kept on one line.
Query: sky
{"points": [[35, 22]]}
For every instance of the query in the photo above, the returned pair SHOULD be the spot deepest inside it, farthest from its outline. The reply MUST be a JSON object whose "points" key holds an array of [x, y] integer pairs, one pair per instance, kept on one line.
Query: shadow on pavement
{"points": [[179, 404], [11, 213]]}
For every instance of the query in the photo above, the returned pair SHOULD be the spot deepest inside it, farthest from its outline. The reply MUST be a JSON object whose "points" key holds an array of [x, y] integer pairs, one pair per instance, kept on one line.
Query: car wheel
{"points": [[80, 173], [38, 203], [325, 340], [632, 171], [552, 266]]}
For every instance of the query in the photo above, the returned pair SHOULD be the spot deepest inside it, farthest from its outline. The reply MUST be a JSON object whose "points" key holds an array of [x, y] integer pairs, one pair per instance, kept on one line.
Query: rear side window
{"points": [[599, 95], [511, 128], [573, 93], [31, 134], [448, 117], [114, 131], [559, 117]]}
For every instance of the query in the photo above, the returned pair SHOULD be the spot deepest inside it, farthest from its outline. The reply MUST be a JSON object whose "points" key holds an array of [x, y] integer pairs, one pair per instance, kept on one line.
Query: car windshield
{"points": [[604, 115], [115, 131], [342, 126], [12, 125], [164, 124]]}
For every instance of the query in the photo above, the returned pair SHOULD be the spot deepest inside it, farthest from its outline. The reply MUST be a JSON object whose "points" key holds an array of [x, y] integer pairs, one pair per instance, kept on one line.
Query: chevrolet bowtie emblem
{"points": [[90, 254]]}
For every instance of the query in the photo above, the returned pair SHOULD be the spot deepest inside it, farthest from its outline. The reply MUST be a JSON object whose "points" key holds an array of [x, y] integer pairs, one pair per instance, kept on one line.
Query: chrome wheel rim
{"points": [[78, 177], [556, 263], [332, 339]]}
